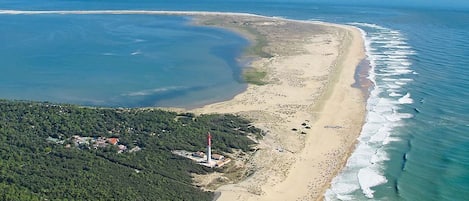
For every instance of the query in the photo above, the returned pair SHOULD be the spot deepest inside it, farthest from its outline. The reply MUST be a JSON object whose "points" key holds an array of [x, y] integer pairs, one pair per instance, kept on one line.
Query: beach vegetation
{"points": [[254, 76], [40, 162], [260, 42]]}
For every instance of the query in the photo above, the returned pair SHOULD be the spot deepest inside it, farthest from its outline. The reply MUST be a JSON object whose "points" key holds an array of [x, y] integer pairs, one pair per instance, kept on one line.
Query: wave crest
{"points": [[387, 52]]}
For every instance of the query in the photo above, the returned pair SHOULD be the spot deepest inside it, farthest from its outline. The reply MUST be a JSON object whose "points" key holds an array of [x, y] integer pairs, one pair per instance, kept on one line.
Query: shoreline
{"points": [[279, 165], [309, 80]]}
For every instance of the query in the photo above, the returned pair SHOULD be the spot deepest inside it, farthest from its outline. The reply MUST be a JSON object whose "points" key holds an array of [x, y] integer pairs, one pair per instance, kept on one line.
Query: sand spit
{"points": [[122, 12], [308, 107], [311, 113]]}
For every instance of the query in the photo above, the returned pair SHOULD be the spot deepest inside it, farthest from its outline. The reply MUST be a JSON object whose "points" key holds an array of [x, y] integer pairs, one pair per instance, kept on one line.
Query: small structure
{"points": [[199, 154], [137, 148], [113, 140], [217, 157], [121, 148]]}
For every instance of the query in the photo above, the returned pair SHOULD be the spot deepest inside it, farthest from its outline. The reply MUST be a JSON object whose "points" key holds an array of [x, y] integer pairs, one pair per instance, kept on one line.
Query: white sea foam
{"points": [[406, 99], [136, 53], [387, 52], [393, 90], [406, 79], [394, 94], [152, 91], [393, 86], [368, 178]]}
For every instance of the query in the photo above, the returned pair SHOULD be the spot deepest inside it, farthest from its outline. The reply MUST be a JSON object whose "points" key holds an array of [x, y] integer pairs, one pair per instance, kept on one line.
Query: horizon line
{"points": [[117, 12], [158, 12]]}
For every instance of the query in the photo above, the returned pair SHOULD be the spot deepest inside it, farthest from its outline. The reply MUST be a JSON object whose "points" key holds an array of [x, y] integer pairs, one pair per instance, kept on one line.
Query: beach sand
{"points": [[310, 111]]}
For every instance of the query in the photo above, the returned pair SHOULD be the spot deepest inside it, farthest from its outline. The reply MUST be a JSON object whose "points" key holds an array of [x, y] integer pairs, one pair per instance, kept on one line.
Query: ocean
{"points": [[413, 145]]}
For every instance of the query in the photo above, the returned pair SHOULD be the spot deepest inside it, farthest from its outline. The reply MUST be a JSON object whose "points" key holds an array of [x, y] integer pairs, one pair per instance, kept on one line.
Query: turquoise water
{"points": [[414, 145], [118, 61]]}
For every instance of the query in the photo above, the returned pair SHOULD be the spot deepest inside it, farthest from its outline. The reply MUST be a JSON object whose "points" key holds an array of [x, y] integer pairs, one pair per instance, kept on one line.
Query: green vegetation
{"points": [[260, 43], [34, 168], [256, 50], [254, 76], [259, 40]]}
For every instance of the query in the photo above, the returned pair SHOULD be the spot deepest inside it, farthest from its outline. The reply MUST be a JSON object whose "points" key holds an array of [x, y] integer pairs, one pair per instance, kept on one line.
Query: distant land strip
{"points": [[149, 12], [119, 12]]}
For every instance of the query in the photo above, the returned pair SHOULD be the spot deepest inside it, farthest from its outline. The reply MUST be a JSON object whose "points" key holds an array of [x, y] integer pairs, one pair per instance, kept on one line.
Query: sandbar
{"points": [[306, 104]]}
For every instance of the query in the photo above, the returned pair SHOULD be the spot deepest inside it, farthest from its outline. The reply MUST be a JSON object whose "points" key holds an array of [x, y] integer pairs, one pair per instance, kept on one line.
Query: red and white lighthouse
{"points": [[209, 148]]}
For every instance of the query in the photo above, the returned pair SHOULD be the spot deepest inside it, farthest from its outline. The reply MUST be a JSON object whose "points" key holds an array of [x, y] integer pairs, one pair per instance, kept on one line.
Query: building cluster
{"points": [[95, 143], [102, 142]]}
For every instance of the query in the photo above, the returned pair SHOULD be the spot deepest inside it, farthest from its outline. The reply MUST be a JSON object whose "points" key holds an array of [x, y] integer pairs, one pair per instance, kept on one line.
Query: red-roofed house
{"points": [[113, 140]]}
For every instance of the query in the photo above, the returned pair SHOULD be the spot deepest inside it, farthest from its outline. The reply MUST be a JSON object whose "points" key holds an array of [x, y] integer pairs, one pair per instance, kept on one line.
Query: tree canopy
{"points": [[35, 168]]}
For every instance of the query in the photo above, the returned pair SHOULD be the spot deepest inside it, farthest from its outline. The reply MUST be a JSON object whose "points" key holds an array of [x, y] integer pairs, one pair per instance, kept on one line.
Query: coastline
{"points": [[308, 106], [298, 91]]}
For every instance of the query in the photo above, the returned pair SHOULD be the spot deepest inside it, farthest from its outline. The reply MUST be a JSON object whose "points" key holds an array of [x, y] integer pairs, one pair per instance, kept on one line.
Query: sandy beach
{"points": [[307, 105]]}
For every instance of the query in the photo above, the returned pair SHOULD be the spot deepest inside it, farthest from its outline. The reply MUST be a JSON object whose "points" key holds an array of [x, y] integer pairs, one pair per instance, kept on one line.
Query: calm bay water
{"points": [[118, 60], [413, 147]]}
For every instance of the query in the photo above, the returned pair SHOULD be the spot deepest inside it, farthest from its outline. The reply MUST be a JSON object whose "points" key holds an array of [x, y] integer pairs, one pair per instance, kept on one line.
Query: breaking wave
{"points": [[387, 52]]}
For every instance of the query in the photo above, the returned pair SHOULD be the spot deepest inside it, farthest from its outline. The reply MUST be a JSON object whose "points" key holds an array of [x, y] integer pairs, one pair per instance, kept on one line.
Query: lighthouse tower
{"points": [[209, 148]]}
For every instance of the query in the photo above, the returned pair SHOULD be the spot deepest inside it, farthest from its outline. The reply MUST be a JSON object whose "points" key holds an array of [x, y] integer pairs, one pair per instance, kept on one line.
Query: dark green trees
{"points": [[34, 168]]}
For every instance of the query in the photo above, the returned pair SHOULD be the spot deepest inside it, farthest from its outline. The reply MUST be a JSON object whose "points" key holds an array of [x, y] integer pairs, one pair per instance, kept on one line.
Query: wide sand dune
{"points": [[308, 107]]}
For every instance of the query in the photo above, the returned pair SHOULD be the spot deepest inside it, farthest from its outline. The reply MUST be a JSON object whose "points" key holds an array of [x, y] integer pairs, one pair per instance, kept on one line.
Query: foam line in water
{"points": [[369, 178], [394, 94], [148, 92], [387, 52], [406, 99]]}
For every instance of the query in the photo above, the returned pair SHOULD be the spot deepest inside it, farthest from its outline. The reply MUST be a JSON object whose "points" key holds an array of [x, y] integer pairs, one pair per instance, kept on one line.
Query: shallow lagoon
{"points": [[117, 60]]}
